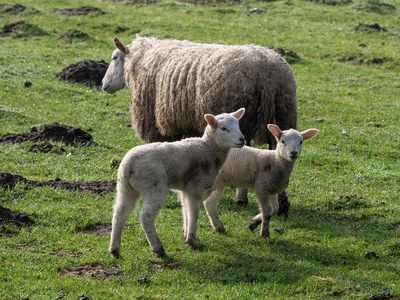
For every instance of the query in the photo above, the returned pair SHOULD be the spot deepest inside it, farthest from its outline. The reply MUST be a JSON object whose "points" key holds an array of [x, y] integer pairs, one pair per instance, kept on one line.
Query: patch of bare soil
{"points": [[73, 34], [91, 271], [12, 9], [8, 216], [18, 219], [50, 132], [370, 27], [164, 265], [11, 28], [87, 71], [98, 229], [80, 11], [8, 180]]}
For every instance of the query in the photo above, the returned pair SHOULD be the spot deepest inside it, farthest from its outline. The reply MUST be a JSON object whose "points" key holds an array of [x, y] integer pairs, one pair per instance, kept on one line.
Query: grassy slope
{"points": [[344, 189]]}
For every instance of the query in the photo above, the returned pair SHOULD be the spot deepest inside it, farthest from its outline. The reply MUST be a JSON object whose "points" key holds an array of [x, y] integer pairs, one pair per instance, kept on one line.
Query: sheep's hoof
{"points": [[241, 197], [241, 201], [160, 252], [115, 253]]}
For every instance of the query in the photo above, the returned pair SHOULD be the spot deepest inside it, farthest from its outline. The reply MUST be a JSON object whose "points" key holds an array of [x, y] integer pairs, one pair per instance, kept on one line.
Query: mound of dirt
{"points": [[18, 219], [80, 11], [73, 34], [289, 55], [370, 27], [21, 29], [87, 71], [91, 271], [13, 9], [50, 132], [8, 180]]}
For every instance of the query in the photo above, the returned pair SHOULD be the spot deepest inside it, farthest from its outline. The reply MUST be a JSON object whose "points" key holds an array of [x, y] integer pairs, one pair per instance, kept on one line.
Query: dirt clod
{"points": [[13, 9], [91, 271], [87, 71], [80, 11], [9, 216], [50, 132]]}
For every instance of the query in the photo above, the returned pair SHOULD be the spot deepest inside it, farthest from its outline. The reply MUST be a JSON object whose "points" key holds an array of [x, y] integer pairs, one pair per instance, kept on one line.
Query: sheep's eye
{"points": [[283, 142], [224, 129], [301, 142], [114, 58]]}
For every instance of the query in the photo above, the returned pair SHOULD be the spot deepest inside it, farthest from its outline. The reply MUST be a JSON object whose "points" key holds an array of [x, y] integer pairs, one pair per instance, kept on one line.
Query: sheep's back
{"points": [[176, 82]]}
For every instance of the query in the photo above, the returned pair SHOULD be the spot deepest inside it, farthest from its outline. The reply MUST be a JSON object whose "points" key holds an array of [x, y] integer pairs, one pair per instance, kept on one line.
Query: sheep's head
{"points": [[114, 78], [224, 129], [289, 142]]}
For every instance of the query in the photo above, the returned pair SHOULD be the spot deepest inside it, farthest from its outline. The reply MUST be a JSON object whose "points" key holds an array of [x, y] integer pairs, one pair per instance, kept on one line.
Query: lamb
{"points": [[267, 172], [189, 166], [174, 83]]}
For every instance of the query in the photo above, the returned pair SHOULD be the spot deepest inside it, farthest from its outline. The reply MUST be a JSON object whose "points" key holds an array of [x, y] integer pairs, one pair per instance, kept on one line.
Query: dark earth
{"points": [[50, 132], [80, 11], [87, 71]]}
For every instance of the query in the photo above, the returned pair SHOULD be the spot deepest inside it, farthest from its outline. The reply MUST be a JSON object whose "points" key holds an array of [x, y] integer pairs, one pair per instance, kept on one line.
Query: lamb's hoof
{"points": [[114, 253], [160, 252], [220, 230], [265, 234], [241, 201], [253, 224], [193, 243]]}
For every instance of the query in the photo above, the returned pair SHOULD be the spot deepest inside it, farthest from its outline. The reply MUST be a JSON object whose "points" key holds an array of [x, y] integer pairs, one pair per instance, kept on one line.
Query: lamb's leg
{"points": [[254, 222], [125, 201], [268, 209], [241, 196], [184, 215], [192, 209], [210, 204], [151, 206]]}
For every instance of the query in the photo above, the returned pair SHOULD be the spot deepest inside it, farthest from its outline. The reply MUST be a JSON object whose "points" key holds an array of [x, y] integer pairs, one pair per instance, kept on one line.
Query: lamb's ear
{"points": [[211, 120], [308, 134], [239, 113], [121, 47], [275, 130]]}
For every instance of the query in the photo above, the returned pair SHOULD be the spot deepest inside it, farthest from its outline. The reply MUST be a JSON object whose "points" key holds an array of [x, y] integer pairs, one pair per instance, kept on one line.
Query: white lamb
{"points": [[265, 171], [189, 166]]}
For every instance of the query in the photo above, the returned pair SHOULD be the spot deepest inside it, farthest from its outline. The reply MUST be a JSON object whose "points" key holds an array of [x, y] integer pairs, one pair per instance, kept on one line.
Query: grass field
{"points": [[344, 190]]}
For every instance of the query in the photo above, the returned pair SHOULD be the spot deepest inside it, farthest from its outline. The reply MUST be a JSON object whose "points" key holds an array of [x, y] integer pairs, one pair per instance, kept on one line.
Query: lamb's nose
{"points": [[293, 154], [242, 140]]}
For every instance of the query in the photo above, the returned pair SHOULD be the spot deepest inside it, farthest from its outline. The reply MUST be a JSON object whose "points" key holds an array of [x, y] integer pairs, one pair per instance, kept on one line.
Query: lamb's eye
{"points": [[224, 129], [283, 142], [114, 58], [301, 142]]}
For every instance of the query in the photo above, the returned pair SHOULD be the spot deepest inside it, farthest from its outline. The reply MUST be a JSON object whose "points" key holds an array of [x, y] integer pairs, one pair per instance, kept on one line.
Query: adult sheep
{"points": [[175, 83]]}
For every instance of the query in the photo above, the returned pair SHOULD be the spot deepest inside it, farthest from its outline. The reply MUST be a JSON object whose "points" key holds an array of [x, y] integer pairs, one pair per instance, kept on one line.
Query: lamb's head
{"points": [[289, 142], [114, 79], [224, 129]]}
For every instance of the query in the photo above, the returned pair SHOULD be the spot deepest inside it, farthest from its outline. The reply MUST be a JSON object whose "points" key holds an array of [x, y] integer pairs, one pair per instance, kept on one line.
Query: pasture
{"points": [[344, 190]]}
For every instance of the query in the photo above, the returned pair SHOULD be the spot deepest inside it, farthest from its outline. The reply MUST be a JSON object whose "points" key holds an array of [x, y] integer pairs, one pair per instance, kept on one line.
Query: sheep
{"points": [[267, 172], [189, 166], [174, 83]]}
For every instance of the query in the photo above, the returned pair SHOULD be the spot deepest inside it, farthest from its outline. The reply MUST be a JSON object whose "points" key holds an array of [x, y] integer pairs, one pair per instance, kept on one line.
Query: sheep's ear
{"points": [[308, 134], [211, 120], [239, 113], [275, 130], [121, 47]]}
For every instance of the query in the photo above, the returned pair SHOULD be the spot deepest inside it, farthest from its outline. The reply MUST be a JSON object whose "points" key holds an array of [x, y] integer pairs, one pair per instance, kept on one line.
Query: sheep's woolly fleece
{"points": [[174, 83]]}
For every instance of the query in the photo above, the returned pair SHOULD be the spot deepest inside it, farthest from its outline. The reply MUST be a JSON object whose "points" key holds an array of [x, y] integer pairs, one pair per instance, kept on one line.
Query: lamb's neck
{"points": [[284, 165]]}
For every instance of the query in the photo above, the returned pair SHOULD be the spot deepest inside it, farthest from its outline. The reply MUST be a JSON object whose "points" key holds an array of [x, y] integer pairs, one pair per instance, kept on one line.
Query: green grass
{"points": [[344, 190]]}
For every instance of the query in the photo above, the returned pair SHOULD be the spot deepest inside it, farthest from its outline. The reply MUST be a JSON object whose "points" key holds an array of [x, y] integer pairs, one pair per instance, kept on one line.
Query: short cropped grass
{"points": [[344, 190]]}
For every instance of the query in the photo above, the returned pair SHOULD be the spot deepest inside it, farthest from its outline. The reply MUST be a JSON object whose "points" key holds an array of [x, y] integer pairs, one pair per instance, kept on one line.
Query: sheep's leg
{"points": [[241, 196], [126, 200], [151, 206], [211, 208], [268, 209]]}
